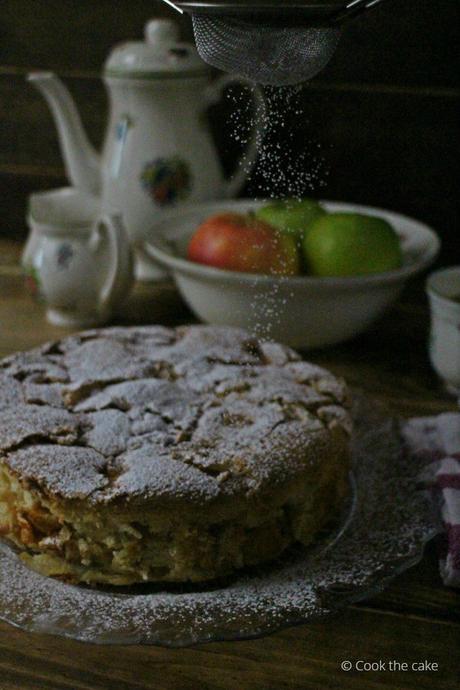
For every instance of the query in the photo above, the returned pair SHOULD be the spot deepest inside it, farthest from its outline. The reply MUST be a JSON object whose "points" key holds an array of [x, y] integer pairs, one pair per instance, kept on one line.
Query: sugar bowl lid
{"points": [[160, 55]]}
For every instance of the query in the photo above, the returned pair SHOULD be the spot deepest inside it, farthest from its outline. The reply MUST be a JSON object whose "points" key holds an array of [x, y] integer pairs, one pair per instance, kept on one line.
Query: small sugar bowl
{"points": [[77, 257]]}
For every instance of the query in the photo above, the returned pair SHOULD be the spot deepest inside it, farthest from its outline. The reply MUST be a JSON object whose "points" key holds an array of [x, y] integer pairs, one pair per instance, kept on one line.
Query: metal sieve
{"points": [[269, 42]]}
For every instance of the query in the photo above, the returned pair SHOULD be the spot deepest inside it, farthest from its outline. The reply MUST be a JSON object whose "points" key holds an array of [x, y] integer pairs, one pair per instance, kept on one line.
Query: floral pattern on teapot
{"points": [[158, 149], [167, 180], [64, 256], [32, 282], [122, 127]]}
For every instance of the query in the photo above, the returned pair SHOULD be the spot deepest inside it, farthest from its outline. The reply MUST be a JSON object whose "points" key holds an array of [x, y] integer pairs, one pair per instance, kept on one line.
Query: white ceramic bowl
{"points": [[301, 311]]}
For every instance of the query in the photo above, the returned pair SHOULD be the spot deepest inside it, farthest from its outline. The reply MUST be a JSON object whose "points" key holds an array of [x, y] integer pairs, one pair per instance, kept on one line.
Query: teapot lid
{"points": [[160, 55]]}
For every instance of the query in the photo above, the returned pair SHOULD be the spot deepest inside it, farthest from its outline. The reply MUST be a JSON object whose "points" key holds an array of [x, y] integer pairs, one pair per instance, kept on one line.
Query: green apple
{"points": [[291, 216], [348, 244]]}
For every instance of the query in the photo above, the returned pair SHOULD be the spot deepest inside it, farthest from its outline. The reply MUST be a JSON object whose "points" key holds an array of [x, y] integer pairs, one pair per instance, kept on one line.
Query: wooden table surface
{"points": [[415, 620]]}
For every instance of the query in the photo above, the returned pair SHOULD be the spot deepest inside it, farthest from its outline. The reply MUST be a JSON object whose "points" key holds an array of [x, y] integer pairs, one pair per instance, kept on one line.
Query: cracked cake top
{"points": [[197, 413]]}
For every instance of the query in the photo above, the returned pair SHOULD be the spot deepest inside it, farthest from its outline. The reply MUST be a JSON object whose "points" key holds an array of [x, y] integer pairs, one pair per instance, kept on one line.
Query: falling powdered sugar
{"points": [[289, 165]]}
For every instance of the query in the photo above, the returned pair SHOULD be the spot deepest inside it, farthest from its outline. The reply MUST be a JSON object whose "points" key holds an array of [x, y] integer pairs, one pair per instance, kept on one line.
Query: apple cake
{"points": [[156, 454]]}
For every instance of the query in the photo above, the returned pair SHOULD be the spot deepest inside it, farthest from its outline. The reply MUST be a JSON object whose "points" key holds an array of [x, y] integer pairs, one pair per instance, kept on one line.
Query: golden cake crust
{"points": [[202, 422]]}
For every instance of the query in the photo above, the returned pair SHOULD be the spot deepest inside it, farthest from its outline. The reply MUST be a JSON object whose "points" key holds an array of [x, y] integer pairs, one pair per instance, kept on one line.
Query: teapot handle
{"points": [[212, 95], [120, 271]]}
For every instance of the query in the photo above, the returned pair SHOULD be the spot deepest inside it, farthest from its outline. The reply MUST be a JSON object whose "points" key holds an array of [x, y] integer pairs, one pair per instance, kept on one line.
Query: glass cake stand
{"points": [[383, 532]]}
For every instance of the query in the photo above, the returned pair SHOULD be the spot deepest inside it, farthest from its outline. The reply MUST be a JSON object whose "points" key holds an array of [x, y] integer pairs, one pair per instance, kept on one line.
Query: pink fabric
{"points": [[437, 440]]}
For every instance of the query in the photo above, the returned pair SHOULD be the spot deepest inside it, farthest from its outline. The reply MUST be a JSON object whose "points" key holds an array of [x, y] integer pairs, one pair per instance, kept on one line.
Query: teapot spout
{"points": [[82, 163]]}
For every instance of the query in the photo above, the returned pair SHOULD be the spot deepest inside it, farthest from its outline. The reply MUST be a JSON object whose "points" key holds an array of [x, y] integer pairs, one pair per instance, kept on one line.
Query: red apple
{"points": [[243, 243]]}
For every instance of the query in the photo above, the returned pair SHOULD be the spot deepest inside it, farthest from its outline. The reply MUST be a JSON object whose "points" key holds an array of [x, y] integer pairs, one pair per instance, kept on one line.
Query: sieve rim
{"points": [[317, 8]]}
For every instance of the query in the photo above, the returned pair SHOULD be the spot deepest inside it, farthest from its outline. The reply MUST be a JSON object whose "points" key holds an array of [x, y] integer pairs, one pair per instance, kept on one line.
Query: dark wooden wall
{"points": [[385, 111]]}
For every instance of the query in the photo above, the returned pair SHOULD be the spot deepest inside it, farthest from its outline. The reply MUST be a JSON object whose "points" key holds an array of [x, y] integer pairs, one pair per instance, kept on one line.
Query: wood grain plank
{"points": [[405, 138], [14, 192], [22, 322], [28, 134], [419, 593], [408, 42], [388, 150], [396, 151], [391, 150], [416, 618], [56, 34], [389, 362], [304, 657]]}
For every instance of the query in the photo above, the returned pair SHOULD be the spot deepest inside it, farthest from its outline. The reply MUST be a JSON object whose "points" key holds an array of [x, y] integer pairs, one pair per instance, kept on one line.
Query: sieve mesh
{"points": [[264, 53]]}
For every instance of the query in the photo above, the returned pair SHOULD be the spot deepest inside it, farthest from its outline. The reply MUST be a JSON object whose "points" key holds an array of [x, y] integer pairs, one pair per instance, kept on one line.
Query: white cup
{"points": [[443, 288]]}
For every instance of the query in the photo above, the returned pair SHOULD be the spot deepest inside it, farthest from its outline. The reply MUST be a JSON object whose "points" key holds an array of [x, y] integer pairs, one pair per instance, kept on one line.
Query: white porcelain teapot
{"points": [[158, 152]]}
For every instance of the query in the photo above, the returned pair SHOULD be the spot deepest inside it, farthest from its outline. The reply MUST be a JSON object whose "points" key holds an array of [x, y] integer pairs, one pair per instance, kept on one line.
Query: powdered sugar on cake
{"points": [[386, 533], [194, 412]]}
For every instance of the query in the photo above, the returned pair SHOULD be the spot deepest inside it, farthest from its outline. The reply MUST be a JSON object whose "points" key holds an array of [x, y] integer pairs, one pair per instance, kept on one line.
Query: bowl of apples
{"points": [[305, 273]]}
